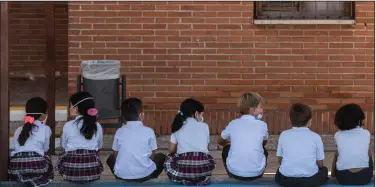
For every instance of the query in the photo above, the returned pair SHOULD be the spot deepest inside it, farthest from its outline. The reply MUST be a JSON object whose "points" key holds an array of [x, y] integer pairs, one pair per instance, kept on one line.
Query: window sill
{"points": [[303, 22]]}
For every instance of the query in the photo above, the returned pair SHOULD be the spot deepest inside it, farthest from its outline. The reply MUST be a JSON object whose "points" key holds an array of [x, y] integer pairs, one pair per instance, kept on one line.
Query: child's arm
{"points": [[279, 160], [100, 137], [320, 155], [224, 138], [152, 155], [264, 143], [173, 144], [320, 163], [279, 149], [172, 148], [46, 144], [63, 140], [116, 145], [115, 154], [334, 164], [222, 141]]}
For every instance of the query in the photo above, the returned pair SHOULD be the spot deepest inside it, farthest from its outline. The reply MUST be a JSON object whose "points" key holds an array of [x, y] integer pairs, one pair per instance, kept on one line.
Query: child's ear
{"points": [[309, 123], [251, 111], [197, 114]]}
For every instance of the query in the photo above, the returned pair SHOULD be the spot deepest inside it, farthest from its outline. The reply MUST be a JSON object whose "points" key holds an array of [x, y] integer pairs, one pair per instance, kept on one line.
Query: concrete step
{"points": [[216, 181]]}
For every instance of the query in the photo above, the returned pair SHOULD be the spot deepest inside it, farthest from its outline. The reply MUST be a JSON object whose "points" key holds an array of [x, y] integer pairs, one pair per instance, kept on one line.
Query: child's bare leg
{"points": [[334, 165]]}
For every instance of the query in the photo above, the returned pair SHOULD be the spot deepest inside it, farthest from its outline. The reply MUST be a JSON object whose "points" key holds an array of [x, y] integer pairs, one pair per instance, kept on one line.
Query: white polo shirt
{"points": [[299, 148], [38, 141], [353, 148], [72, 139], [193, 136], [134, 143], [246, 156]]}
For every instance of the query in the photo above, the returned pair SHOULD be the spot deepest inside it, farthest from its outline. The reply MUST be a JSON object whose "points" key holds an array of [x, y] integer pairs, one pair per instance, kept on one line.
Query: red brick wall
{"points": [[212, 51], [27, 41]]}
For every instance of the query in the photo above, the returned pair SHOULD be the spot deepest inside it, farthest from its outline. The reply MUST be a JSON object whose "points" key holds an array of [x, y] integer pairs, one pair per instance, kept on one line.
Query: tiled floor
{"points": [[219, 170]]}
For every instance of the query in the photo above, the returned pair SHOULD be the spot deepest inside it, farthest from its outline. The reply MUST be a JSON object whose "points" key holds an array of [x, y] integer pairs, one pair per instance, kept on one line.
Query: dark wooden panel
{"points": [[4, 92], [49, 68]]}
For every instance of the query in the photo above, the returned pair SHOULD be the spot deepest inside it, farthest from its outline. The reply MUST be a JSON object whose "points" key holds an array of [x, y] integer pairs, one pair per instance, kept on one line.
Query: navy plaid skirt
{"points": [[192, 168], [30, 168], [80, 166]]}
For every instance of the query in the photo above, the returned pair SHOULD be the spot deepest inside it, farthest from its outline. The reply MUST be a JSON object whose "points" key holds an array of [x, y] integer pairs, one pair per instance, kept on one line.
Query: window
{"points": [[302, 11]]}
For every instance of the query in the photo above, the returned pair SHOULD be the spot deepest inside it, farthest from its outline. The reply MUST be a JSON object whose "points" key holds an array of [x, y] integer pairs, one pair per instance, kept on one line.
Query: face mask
{"points": [[70, 110], [201, 119], [259, 117], [45, 119], [141, 116]]}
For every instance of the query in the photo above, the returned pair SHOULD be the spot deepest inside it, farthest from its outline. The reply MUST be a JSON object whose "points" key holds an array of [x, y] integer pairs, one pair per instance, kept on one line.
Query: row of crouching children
{"points": [[300, 151]]}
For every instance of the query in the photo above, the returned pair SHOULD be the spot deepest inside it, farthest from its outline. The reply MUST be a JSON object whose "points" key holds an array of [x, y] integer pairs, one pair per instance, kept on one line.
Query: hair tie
{"points": [[180, 112], [29, 119], [92, 112]]}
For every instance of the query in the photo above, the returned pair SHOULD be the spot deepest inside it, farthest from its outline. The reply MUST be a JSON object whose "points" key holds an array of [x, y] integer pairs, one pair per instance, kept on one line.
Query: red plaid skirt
{"points": [[80, 166], [192, 168], [31, 168]]}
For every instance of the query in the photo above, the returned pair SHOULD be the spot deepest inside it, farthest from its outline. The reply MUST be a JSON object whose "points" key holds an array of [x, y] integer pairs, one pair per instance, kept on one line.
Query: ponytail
{"points": [[26, 132], [89, 125], [86, 107], [188, 108], [178, 122], [35, 108]]}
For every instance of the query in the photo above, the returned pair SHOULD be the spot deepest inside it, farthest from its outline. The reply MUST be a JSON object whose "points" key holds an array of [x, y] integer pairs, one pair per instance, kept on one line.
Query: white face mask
{"points": [[259, 117], [70, 110], [201, 119], [141, 116], [45, 119]]}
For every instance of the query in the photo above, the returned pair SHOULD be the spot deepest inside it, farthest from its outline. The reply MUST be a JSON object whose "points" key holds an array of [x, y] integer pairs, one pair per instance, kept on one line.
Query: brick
{"points": [[217, 54], [192, 7], [290, 94]]}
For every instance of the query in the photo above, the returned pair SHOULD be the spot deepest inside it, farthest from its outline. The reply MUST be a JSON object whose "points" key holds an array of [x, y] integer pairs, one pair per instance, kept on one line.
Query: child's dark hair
{"points": [[300, 114], [188, 108], [349, 117], [33, 107], [131, 109], [84, 102]]}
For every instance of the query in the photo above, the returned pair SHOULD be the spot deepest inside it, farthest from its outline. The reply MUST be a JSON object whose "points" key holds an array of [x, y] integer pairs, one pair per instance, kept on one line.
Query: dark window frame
{"points": [[348, 12]]}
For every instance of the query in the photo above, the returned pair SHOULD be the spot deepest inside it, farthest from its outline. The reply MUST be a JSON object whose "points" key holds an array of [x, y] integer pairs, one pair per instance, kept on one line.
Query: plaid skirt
{"points": [[31, 168], [192, 168], [80, 166]]}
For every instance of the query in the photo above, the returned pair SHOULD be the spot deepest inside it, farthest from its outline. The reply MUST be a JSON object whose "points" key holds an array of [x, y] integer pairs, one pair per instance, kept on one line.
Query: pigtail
{"points": [[35, 108], [25, 133], [178, 122], [86, 107], [89, 125]]}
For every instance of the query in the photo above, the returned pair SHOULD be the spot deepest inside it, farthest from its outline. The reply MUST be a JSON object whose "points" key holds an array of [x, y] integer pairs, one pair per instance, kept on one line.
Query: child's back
{"points": [[134, 146], [301, 148], [354, 147], [135, 143], [300, 152], [352, 164], [185, 140], [38, 141], [246, 156], [72, 138]]}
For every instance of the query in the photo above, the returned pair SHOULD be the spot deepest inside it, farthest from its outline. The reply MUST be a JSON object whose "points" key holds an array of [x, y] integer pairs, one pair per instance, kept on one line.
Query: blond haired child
{"points": [[244, 155]]}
